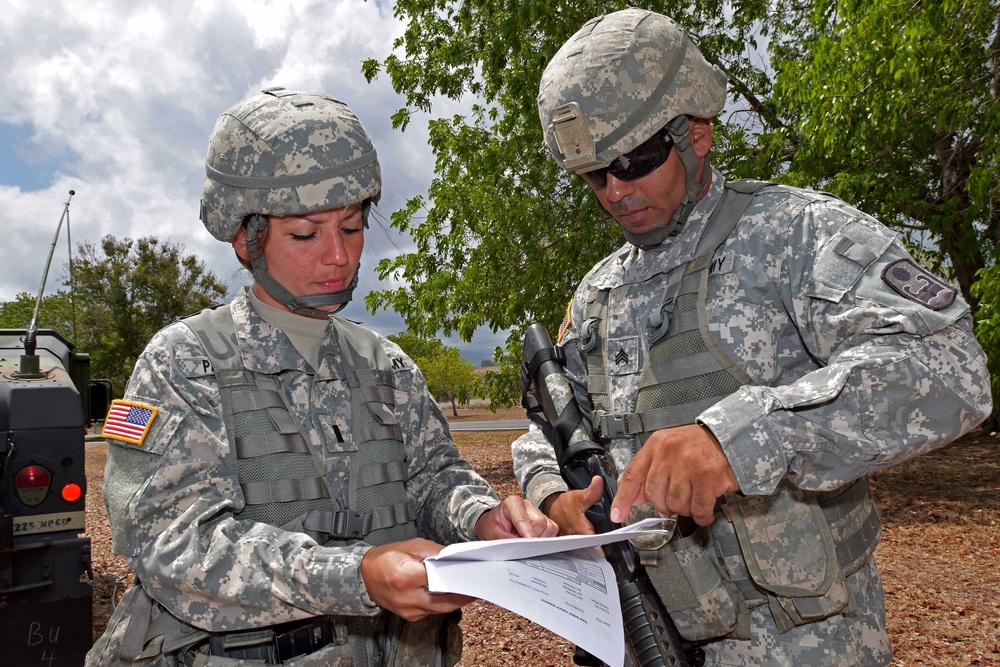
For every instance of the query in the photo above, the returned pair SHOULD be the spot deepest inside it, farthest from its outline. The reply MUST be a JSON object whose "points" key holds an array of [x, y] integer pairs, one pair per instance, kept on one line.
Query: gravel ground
{"points": [[938, 557]]}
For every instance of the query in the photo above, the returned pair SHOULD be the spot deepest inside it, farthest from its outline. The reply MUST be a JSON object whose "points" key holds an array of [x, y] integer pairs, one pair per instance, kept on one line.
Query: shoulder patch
{"points": [[567, 320], [918, 285], [129, 421]]}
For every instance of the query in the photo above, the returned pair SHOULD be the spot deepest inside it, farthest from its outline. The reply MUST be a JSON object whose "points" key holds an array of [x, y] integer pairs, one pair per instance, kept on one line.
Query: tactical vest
{"points": [[283, 485], [281, 480], [710, 579]]}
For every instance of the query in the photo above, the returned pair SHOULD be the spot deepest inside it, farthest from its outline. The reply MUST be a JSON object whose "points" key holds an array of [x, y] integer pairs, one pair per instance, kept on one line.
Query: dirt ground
{"points": [[938, 556]]}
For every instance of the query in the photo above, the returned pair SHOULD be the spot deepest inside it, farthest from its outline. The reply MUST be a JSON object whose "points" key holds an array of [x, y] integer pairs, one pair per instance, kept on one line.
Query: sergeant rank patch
{"points": [[129, 421], [919, 285]]}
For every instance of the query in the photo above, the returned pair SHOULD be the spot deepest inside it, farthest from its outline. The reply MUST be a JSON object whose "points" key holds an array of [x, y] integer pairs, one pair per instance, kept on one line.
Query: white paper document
{"points": [[562, 583]]}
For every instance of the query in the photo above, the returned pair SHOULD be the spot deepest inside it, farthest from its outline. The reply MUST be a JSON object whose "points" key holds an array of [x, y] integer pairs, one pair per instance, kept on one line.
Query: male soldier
{"points": [[748, 357], [276, 474]]}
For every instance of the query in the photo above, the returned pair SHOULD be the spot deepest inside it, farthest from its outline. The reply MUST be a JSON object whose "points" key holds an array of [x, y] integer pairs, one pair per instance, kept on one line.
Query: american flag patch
{"points": [[128, 421]]}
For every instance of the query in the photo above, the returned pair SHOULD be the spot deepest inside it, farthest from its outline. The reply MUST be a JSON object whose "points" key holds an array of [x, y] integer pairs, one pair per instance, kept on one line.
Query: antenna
{"points": [[29, 360]]}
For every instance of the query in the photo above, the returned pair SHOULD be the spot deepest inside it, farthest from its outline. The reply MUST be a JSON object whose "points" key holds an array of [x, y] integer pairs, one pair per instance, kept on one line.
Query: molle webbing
{"points": [[854, 524], [278, 475], [281, 481], [378, 471], [592, 343], [685, 371]]}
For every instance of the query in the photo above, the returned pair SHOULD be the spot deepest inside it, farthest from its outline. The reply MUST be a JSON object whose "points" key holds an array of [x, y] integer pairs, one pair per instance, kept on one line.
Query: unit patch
{"points": [[567, 320], [917, 284], [129, 421]]}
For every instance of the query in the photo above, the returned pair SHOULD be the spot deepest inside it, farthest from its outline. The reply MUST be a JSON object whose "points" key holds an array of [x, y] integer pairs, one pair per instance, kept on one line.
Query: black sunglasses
{"points": [[645, 158]]}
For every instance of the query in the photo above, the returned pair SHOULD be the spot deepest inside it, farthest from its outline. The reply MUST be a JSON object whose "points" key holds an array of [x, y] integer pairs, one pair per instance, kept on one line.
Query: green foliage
{"points": [[417, 347], [449, 375], [887, 104], [55, 312], [894, 109], [126, 291], [987, 289]]}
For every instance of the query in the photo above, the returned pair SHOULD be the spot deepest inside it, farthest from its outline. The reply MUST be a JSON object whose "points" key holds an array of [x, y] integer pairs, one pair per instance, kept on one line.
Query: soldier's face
{"points": [[647, 203], [313, 253]]}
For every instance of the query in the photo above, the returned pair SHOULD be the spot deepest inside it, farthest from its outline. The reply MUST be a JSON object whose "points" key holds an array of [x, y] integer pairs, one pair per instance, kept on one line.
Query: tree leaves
{"points": [[126, 290], [449, 375], [887, 104]]}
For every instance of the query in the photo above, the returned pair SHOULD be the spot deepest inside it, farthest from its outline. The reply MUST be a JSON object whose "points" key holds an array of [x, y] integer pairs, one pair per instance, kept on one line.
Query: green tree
{"points": [[55, 312], [987, 289], [887, 104], [126, 290], [894, 104], [417, 347], [450, 377]]}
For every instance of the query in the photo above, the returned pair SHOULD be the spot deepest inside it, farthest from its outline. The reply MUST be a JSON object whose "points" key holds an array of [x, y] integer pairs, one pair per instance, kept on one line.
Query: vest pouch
{"points": [[433, 641], [698, 595], [790, 554]]}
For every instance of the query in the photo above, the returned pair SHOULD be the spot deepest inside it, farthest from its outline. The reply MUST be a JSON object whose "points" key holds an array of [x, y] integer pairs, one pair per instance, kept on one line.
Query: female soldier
{"points": [[276, 474]]}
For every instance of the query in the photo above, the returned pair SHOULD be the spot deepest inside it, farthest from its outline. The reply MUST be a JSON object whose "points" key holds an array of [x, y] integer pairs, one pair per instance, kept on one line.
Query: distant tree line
{"points": [[125, 290]]}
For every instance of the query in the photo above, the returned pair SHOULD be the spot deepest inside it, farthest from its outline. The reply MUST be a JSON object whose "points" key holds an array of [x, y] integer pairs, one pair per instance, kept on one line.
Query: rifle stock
{"points": [[651, 639]]}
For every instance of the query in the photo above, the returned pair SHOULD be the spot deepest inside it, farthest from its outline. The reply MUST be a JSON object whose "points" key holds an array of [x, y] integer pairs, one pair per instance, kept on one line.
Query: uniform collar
{"points": [[264, 347]]}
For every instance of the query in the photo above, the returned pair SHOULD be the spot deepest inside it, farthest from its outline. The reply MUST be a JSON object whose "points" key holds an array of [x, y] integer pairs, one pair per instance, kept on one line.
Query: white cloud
{"points": [[116, 98]]}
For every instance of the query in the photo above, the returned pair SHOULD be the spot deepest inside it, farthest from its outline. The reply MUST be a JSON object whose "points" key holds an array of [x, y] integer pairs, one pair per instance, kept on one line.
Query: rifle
{"points": [[651, 639]]}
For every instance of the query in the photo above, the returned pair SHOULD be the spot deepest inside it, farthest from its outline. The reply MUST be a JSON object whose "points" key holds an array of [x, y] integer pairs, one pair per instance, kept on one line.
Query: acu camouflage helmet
{"points": [[618, 81], [282, 152]]}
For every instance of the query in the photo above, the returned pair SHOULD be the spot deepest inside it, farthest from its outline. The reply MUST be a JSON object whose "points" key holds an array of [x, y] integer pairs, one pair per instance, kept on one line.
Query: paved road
{"points": [[491, 425]]}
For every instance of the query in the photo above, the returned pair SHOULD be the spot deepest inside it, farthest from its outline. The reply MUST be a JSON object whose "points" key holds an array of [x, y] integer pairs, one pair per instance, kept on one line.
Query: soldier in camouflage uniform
{"points": [[748, 357], [276, 474]]}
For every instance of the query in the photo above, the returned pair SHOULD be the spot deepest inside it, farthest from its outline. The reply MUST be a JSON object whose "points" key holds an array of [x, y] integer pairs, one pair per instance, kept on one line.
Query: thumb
{"points": [[593, 493]]}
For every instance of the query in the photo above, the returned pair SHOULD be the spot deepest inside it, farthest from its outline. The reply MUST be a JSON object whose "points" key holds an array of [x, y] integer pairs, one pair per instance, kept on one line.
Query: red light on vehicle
{"points": [[32, 484], [32, 477], [71, 492]]}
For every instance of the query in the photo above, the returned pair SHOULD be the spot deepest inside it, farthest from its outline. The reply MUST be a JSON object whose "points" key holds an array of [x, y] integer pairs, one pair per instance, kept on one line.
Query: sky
{"points": [[115, 99]]}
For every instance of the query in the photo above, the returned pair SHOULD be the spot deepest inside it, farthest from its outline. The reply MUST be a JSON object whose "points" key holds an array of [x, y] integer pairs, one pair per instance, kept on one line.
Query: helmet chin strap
{"points": [[678, 131], [307, 305]]}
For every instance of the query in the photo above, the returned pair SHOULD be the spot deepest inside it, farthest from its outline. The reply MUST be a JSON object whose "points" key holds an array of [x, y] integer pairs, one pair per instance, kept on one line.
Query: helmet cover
{"points": [[284, 152], [619, 80]]}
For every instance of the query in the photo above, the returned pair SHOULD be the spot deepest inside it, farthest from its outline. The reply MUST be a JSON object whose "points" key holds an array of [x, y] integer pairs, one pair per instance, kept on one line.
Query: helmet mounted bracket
{"points": [[573, 138]]}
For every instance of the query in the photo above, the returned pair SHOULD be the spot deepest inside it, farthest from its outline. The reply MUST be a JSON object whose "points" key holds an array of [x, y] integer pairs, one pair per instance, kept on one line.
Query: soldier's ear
{"points": [[700, 132], [240, 244]]}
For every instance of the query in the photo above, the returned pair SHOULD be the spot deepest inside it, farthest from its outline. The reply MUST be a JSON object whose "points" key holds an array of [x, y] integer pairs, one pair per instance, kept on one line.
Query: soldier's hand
{"points": [[514, 517], [568, 508], [680, 470], [396, 579]]}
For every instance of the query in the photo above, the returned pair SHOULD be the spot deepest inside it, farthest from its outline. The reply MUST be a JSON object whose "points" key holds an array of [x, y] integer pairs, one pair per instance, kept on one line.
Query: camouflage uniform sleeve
{"points": [[897, 371], [449, 495], [175, 513]]}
